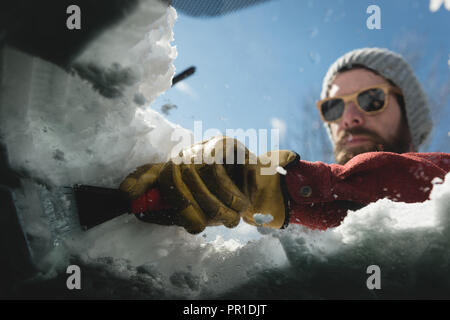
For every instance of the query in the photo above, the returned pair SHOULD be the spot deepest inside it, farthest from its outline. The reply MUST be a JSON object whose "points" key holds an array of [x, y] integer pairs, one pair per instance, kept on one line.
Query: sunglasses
{"points": [[370, 100]]}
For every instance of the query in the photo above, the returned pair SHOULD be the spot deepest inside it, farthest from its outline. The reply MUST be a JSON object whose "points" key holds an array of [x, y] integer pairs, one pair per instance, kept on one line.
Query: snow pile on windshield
{"points": [[408, 242], [60, 131]]}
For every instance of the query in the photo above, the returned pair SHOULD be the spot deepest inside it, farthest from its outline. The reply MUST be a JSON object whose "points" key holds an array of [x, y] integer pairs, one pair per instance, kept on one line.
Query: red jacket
{"points": [[321, 194]]}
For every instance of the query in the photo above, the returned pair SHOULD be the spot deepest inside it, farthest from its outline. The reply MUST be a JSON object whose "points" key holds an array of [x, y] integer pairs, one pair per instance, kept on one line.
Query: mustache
{"points": [[357, 131]]}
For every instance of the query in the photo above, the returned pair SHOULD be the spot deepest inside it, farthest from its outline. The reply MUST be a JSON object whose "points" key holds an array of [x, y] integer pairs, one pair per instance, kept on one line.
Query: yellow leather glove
{"points": [[216, 182]]}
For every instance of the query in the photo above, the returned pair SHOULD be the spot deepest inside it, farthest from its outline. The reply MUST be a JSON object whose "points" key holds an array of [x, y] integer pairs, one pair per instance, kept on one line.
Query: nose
{"points": [[352, 117]]}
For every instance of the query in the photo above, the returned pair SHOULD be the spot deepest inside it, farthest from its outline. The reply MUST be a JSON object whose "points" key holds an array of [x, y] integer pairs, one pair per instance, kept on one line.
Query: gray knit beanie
{"points": [[393, 67]]}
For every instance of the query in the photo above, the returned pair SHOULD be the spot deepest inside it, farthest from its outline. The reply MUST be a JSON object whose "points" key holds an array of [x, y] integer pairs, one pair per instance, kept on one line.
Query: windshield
{"points": [[95, 97]]}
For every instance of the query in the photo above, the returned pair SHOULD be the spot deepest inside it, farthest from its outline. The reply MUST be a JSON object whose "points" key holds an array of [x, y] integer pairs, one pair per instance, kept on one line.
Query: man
{"points": [[377, 116]]}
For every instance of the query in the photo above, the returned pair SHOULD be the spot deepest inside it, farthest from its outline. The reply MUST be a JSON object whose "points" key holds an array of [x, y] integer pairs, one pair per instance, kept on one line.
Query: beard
{"points": [[400, 143]]}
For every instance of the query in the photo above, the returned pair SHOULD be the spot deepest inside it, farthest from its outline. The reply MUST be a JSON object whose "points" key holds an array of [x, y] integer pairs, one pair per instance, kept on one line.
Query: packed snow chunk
{"points": [[261, 218], [385, 216], [141, 43], [436, 180], [187, 265], [228, 245], [60, 129], [281, 170], [435, 5]]}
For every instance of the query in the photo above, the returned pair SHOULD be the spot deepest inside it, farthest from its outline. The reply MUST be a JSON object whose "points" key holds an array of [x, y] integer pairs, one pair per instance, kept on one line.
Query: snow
{"points": [[281, 170], [435, 5], [261, 219], [60, 131]]}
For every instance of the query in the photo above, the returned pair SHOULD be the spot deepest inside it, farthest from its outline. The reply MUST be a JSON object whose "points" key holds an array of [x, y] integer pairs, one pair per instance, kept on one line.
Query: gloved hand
{"points": [[215, 182]]}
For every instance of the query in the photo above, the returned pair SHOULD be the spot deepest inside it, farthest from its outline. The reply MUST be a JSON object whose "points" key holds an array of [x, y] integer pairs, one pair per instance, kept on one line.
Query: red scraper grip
{"points": [[149, 201]]}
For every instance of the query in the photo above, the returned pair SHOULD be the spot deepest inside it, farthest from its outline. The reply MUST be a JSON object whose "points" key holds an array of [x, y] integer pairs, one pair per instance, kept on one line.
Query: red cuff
{"points": [[309, 182]]}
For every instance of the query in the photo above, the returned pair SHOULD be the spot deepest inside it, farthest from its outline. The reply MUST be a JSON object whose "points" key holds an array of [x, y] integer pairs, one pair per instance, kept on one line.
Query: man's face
{"points": [[358, 132]]}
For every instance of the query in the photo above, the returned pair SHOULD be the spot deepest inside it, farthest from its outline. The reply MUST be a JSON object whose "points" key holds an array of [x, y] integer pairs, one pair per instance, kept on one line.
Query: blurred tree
{"points": [[436, 82]]}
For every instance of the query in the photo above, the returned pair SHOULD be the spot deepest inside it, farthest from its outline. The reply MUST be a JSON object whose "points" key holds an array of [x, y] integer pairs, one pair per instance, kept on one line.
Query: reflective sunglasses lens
{"points": [[332, 109], [371, 100]]}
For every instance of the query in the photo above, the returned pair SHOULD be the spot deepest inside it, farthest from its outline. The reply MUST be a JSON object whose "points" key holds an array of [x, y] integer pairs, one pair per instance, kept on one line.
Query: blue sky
{"points": [[261, 62]]}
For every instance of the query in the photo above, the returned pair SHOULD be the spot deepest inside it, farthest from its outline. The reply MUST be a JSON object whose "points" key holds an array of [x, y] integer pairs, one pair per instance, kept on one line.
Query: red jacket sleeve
{"points": [[320, 194]]}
